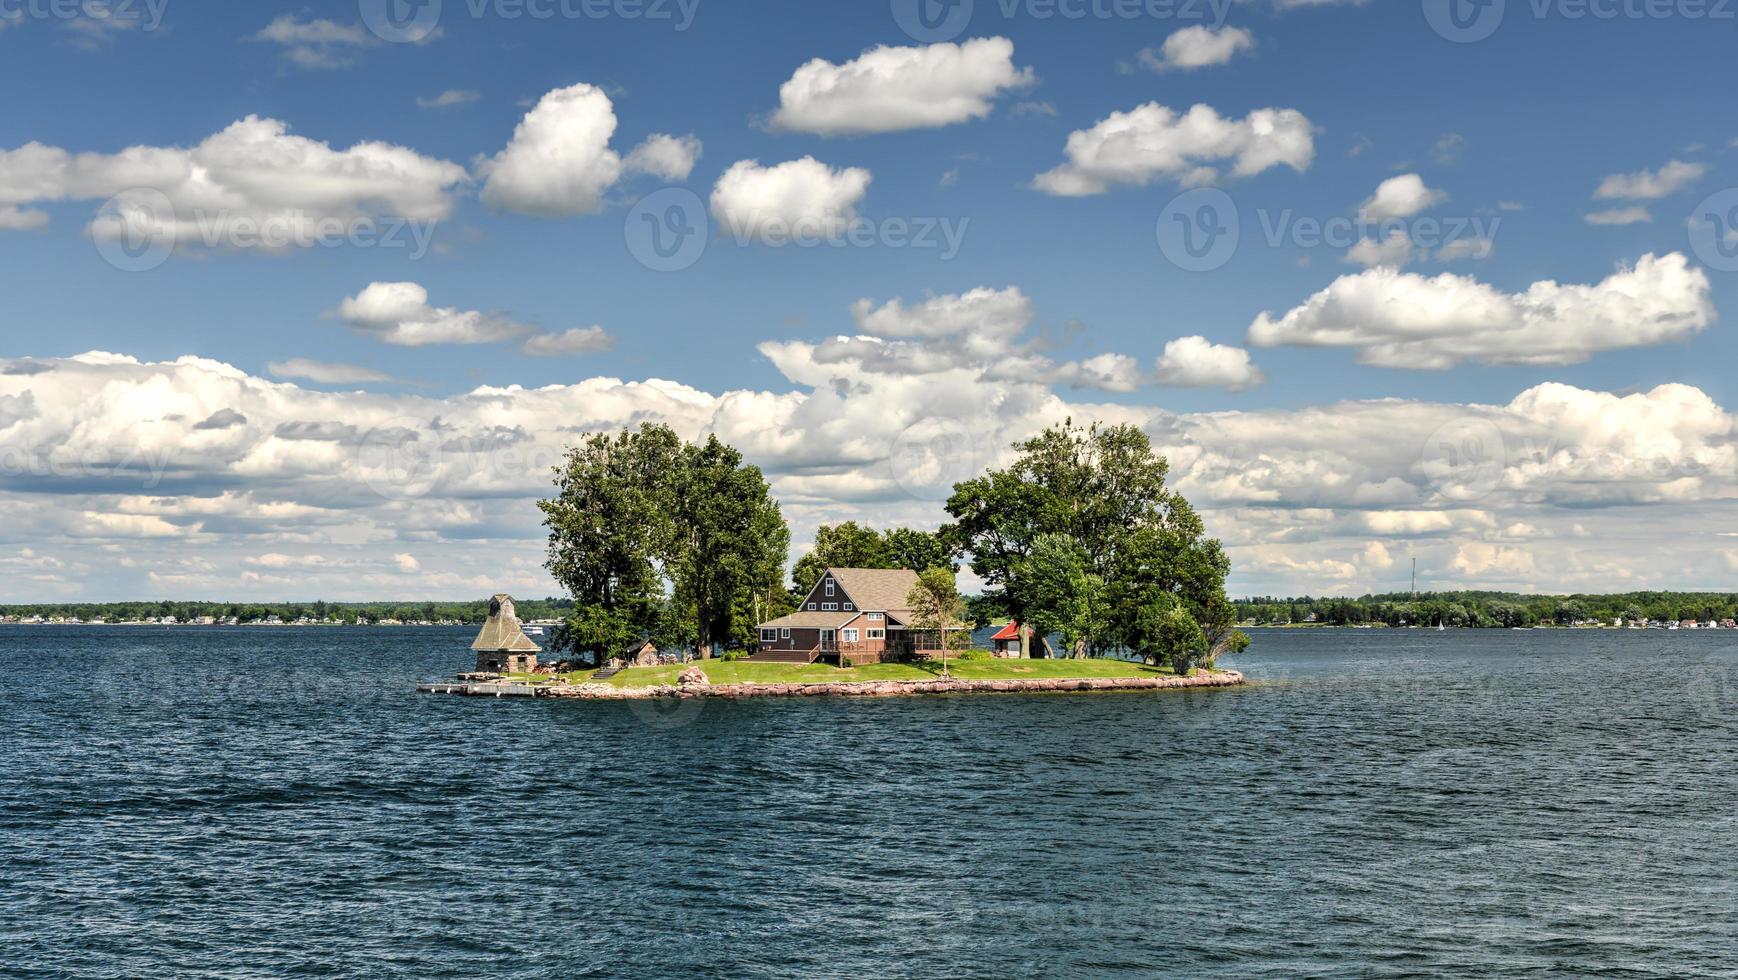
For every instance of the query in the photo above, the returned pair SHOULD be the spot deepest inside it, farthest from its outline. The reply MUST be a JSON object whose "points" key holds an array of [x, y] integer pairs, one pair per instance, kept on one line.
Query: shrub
{"points": [[845, 663]]}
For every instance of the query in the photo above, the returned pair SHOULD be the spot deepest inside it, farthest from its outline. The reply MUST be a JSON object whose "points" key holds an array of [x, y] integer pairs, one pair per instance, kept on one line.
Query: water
{"points": [[277, 802]]}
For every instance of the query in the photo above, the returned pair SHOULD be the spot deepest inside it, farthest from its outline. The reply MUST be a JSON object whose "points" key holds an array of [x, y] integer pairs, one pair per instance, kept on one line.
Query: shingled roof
{"points": [[502, 631], [878, 589]]}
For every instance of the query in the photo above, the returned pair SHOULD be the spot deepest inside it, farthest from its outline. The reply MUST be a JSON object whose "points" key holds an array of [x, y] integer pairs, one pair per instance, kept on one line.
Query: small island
{"points": [[674, 553]]}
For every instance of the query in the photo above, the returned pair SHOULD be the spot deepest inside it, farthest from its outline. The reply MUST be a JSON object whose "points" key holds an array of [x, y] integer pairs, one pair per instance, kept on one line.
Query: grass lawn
{"points": [[741, 671]]}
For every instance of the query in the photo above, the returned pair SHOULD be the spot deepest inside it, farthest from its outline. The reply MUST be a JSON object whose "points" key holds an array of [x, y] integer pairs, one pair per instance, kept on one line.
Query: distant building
{"points": [[640, 653], [1006, 642], [502, 646], [860, 614]]}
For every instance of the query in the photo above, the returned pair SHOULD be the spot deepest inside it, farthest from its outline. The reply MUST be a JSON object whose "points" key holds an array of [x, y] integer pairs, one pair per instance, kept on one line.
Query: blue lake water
{"points": [[278, 802]]}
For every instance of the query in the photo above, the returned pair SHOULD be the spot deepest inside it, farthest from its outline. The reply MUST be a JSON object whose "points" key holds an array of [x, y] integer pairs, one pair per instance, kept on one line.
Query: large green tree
{"points": [[1133, 541], [728, 539], [853, 545], [609, 530]]}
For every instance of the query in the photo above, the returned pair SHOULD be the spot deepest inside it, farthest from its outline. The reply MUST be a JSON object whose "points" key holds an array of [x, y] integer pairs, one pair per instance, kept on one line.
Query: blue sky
{"points": [[1513, 134]]}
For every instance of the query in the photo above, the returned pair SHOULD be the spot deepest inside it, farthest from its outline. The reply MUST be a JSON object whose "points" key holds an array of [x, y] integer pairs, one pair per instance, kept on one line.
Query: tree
{"points": [[1102, 488], [936, 606], [917, 550], [1062, 596], [728, 538], [848, 545], [609, 528]]}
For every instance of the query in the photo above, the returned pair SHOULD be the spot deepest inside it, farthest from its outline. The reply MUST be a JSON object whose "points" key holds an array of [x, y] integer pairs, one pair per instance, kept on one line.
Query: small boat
{"points": [[532, 630], [1439, 626]]}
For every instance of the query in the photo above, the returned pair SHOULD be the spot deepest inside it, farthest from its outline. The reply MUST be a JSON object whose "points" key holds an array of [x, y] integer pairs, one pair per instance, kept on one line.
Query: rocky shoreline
{"points": [[698, 688]]}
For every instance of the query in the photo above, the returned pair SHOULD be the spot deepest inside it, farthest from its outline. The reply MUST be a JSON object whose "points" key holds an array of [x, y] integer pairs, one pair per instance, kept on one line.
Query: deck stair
{"points": [[606, 673]]}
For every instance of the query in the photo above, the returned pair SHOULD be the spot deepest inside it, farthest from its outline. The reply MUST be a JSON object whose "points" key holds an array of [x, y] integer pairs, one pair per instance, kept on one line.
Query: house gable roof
{"points": [[877, 589], [810, 621]]}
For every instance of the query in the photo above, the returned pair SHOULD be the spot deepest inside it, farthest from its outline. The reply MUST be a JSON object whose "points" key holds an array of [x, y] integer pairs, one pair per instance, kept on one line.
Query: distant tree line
{"points": [[320, 611], [1488, 609]]}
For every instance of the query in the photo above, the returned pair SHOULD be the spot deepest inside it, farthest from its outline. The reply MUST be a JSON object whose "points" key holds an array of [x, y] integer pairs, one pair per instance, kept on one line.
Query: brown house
{"points": [[502, 646], [857, 613]]}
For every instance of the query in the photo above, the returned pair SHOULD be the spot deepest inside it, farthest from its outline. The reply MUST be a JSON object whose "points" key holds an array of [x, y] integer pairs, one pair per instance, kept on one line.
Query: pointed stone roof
{"points": [[502, 631]]}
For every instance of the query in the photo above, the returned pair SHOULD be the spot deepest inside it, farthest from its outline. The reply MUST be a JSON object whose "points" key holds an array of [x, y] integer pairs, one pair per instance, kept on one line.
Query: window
{"points": [[849, 607], [850, 636], [829, 588], [811, 607], [768, 636], [877, 634], [830, 607], [876, 617], [784, 632]]}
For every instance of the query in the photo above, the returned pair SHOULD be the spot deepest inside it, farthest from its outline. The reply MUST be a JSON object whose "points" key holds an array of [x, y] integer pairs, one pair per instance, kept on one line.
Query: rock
{"points": [[693, 677]]}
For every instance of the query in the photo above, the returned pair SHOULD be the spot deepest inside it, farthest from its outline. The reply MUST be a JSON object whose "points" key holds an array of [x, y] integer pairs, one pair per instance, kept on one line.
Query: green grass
{"points": [[741, 672]]}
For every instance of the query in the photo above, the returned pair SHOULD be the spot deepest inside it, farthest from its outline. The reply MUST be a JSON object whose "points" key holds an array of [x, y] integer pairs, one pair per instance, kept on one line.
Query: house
{"points": [[502, 647], [860, 614], [640, 653], [1006, 641]]}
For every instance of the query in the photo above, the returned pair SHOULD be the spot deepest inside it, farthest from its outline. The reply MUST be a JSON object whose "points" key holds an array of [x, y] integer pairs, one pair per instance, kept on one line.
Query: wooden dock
{"points": [[484, 689]]}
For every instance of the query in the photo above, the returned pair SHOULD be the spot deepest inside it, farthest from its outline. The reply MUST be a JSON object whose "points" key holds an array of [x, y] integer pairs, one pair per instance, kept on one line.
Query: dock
{"points": [[486, 689]]}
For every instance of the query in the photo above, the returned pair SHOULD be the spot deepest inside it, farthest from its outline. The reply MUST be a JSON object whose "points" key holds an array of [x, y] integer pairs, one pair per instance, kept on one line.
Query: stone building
{"points": [[502, 646]]}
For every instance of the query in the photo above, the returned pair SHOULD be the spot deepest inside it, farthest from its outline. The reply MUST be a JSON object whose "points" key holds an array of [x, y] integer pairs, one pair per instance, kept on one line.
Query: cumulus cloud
{"points": [[1392, 252], [399, 313], [1400, 197], [1154, 142], [799, 198], [559, 162], [1197, 47], [887, 89], [1195, 362], [1650, 185], [253, 174], [1397, 319]]}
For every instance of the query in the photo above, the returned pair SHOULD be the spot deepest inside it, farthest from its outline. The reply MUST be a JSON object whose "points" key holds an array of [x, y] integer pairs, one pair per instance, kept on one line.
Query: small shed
{"points": [[502, 646], [640, 653], [1006, 641]]}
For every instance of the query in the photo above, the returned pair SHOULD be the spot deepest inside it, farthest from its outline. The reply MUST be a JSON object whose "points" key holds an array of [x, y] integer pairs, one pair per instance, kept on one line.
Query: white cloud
{"points": [[796, 198], [1406, 320], [1195, 362], [577, 340], [326, 372], [1104, 372], [253, 174], [1620, 216], [559, 162], [1466, 248], [399, 313], [662, 155], [1153, 142], [316, 42], [1392, 252], [1650, 185], [1197, 47], [887, 89], [1400, 197], [451, 97]]}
